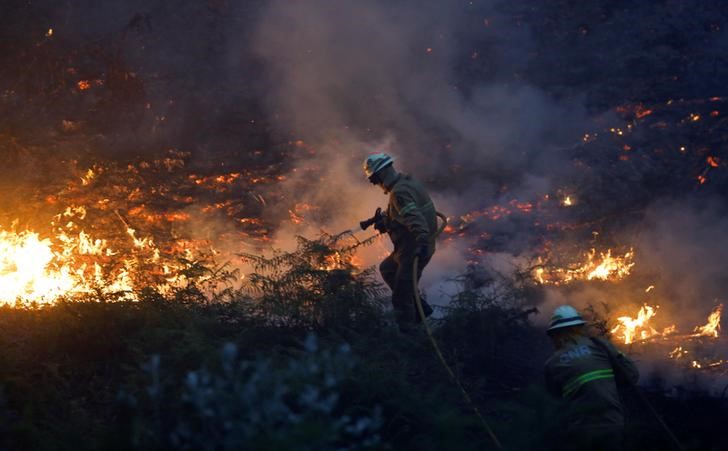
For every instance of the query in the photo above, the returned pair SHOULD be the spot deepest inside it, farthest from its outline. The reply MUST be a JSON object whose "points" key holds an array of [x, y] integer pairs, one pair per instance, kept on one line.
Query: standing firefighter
{"points": [[411, 222], [584, 371]]}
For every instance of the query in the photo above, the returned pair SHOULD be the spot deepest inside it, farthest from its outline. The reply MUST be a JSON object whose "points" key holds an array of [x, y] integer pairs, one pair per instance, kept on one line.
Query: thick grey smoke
{"points": [[684, 242], [351, 77], [369, 71]]}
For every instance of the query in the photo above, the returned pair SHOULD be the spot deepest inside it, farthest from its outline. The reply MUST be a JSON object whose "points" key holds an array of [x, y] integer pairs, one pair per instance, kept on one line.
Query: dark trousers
{"points": [[590, 438], [396, 271]]}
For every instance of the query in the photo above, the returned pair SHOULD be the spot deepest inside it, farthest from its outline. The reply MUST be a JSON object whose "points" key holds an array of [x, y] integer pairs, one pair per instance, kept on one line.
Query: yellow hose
{"points": [[454, 378]]}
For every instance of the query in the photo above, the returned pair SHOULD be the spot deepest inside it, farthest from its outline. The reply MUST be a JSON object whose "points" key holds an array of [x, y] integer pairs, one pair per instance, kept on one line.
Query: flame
{"points": [[630, 328], [83, 85], [567, 202], [602, 267], [712, 327], [88, 177], [74, 263], [331, 262], [31, 270], [609, 266]]}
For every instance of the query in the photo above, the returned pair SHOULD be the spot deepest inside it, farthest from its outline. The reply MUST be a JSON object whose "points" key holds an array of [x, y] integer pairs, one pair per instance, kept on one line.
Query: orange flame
{"points": [[712, 327], [73, 263], [630, 328], [602, 267]]}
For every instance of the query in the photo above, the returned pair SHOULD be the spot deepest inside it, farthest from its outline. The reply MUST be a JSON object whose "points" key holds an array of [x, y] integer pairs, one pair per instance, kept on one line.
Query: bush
{"points": [[316, 287], [260, 405]]}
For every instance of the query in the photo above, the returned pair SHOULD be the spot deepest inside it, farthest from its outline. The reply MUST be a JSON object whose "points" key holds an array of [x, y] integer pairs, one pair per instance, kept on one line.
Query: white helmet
{"points": [[565, 316], [376, 162]]}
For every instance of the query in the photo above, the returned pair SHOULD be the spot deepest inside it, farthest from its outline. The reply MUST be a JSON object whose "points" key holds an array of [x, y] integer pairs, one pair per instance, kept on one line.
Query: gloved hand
{"points": [[380, 226], [381, 220]]}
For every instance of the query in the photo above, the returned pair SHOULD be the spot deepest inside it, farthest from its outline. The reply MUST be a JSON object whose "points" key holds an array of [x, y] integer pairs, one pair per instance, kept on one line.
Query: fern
{"points": [[315, 285]]}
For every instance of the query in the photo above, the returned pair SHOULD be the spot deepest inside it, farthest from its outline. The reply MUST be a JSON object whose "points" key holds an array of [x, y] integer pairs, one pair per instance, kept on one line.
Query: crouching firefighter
{"points": [[411, 222], [586, 372]]}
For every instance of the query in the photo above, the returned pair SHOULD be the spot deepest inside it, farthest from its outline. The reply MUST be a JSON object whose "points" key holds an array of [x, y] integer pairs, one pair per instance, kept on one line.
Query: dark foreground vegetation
{"points": [[313, 362]]}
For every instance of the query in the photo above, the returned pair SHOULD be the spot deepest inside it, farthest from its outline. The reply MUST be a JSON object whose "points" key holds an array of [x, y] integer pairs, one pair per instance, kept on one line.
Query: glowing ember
{"points": [[712, 328], [567, 202], [83, 85], [295, 218], [642, 111], [677, 353]]}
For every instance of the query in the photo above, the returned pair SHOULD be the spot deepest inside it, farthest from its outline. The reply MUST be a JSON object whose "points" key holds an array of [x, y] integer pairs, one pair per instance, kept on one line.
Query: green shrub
{"points": [[260, 404]]}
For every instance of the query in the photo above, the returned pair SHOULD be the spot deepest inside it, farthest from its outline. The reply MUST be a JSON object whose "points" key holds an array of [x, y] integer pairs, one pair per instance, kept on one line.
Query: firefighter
{"points": [[585, 372], [411, 222]]}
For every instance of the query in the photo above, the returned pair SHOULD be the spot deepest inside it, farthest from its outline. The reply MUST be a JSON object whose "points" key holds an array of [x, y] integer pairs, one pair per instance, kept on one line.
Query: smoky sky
{"points": [[431, 83], [392, 72]]}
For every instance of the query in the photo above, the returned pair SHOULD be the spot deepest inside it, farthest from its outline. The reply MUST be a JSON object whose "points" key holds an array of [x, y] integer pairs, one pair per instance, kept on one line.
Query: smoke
{"points": [[465, 95], [367, 72], [679, 245], [684, 242], [349, 78]]}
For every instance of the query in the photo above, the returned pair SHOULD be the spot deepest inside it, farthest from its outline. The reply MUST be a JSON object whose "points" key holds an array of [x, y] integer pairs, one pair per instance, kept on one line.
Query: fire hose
{"points": [[436, 347], [418, 302]]}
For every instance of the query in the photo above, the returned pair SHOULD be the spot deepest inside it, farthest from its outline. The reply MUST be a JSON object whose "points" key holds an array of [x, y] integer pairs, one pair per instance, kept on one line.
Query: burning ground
{"points": [[580, 158]]}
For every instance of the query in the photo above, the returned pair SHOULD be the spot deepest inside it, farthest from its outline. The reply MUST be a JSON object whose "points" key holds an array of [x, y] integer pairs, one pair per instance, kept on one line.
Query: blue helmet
{"points": [[565, 316], [376, 162]]}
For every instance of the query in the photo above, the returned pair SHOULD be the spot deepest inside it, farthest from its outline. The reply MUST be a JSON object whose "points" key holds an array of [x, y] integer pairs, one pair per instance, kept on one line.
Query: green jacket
{"points": [[583, 375], [411, 217]]}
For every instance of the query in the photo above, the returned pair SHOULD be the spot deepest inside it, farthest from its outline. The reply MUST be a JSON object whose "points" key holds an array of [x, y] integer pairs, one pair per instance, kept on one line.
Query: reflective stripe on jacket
{"points": [[582, 374]]}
